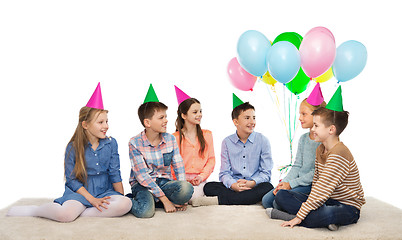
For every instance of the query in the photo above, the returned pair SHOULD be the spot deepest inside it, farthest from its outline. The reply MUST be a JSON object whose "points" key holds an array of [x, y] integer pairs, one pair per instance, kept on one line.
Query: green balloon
{"points": [[299, 83], [292, 37]]}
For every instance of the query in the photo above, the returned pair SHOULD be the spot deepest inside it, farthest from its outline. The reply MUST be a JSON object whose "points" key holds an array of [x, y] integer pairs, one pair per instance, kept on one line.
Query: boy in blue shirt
{"points": [[246, 163]]}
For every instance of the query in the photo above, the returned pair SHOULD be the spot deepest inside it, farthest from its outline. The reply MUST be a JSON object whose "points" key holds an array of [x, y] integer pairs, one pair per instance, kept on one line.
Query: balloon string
{"points": [[277, 104]]}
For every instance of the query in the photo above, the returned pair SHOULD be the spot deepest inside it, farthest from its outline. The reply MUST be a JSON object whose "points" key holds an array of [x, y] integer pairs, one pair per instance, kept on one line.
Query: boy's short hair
{"points": [[147, 110], [330, 117], [241, 108]]}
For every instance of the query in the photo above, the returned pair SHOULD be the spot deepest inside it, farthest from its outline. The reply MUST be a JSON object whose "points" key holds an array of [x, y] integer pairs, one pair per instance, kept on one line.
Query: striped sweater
{"points": [[336, 176]]}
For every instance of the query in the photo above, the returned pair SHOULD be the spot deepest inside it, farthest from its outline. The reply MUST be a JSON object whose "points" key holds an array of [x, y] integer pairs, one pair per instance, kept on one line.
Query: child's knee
{"points": [[186, 191], [66, 216], [281, 195], [143, 205], [123, 205]]}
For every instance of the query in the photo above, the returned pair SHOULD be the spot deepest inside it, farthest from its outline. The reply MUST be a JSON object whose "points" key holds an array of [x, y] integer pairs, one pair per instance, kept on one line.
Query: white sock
{"points": [[22, 211], [205, 201]]}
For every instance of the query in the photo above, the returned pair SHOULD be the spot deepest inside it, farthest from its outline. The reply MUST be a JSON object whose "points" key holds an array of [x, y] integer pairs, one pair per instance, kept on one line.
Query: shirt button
{"points": [[244, 156], [244, 146], [97, 164], [97, 173], [96, 155], [244, 167]]}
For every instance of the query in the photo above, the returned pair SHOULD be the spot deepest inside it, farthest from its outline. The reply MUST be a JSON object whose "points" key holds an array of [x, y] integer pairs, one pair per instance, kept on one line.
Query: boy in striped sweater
{"points": [[337, 195]]}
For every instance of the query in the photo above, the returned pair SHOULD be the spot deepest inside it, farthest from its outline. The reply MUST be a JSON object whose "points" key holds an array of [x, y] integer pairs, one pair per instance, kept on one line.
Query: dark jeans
{"points": [[227, 196], [331, 212], [268, 201], [178, 192]]}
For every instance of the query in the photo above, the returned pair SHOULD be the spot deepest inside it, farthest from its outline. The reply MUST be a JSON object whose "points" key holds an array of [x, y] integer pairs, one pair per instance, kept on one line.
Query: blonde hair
{"points": [[80, 140], [313, 107]]}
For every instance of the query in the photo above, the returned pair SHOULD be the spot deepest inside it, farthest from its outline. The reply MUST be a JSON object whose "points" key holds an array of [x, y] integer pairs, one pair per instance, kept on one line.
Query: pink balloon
{"points": [[239, 77], [317, 51], [323, 30]]}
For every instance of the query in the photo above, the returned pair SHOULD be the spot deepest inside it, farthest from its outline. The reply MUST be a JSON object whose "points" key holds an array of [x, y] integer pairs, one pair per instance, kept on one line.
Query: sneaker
{"points": [[333, 227]]}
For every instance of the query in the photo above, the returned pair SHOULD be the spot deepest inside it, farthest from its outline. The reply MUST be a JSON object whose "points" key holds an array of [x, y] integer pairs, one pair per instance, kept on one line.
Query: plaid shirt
{"points": [[150, 162]]}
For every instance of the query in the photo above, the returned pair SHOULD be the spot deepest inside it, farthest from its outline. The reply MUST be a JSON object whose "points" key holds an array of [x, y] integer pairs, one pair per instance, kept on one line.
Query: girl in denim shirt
{"points": [[92, 169]]}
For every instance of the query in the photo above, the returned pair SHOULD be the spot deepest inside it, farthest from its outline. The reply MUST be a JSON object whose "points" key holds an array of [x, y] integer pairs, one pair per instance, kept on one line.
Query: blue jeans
{"points": [[268, 201], [331, 212], [178, 192]]}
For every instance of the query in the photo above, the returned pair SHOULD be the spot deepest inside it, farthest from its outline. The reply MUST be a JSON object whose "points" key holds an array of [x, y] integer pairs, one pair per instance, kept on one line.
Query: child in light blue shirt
{"points": [[301, 174]]}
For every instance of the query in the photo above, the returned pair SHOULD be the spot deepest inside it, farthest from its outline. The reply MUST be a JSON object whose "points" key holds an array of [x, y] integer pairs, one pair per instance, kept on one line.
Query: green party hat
{"points": [[236, 101], [151, 95], [335, 103]]}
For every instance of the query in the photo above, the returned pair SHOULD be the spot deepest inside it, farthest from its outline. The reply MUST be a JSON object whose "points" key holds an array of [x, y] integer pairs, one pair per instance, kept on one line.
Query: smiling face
{"points": [[158, 122], [305, 117], [193, 115], [320, 131], [97, 128], [245, 123]]}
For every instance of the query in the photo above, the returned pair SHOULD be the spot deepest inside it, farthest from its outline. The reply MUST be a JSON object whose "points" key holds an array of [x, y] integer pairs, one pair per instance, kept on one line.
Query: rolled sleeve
{"points": [[177, 163], [114, 167]]}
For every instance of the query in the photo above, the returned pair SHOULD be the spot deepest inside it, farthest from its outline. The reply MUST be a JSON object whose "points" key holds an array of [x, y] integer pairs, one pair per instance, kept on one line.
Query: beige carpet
{"points": [[378, 221]]}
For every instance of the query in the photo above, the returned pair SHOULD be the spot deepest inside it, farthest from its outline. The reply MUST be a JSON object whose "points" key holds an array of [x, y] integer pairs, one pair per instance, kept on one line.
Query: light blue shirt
{"points": [[302, 171], [251, 160]]}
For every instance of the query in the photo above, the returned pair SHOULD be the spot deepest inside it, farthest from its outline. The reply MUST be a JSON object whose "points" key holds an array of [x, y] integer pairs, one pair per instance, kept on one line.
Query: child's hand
{"points": [[250, 184], [240, 185], [100, 202], [295, 221], [196, 181], [284, 185]]}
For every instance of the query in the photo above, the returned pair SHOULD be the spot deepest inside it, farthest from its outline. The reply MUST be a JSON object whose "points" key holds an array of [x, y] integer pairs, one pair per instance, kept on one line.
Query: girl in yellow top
{"points": [[196, 145]]}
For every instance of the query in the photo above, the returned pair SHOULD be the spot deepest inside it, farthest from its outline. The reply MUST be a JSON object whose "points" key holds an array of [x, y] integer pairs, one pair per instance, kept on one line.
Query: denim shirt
{"points": [[102, 165], [251, 160]]}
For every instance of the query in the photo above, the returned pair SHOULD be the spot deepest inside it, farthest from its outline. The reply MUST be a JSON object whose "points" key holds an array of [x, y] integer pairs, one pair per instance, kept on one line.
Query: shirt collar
{"points": [[235, 138], [102, 142], [146, 141]]}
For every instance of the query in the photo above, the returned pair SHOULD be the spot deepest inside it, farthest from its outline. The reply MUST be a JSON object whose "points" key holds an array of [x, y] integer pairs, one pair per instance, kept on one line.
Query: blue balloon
{"points": [[283, 61], [350, 60], [252, 48]]}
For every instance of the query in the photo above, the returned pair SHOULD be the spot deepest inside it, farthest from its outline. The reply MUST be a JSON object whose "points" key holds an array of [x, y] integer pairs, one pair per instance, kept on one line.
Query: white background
{"points": [[53, 54]]}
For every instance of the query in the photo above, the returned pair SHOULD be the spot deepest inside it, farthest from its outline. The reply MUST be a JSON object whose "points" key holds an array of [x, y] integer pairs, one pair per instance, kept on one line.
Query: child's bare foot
{"points": [[181, 207], [169, 207]]}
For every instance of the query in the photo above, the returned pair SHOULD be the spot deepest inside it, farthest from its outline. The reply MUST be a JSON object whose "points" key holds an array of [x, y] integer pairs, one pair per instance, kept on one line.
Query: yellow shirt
{"points": [[193, 162]]}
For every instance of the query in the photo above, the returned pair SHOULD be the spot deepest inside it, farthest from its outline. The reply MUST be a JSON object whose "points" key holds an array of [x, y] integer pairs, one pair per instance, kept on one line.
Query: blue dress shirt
{"points": [[251, 160], [103, 169]]}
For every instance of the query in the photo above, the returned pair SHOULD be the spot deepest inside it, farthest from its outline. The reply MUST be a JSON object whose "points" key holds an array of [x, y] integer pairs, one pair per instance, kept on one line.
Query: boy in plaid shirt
{"points": [[152, 153]]}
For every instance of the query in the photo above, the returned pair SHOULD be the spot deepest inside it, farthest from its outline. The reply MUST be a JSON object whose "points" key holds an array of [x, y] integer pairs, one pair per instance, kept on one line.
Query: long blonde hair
{"points": [[80, 140]]}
